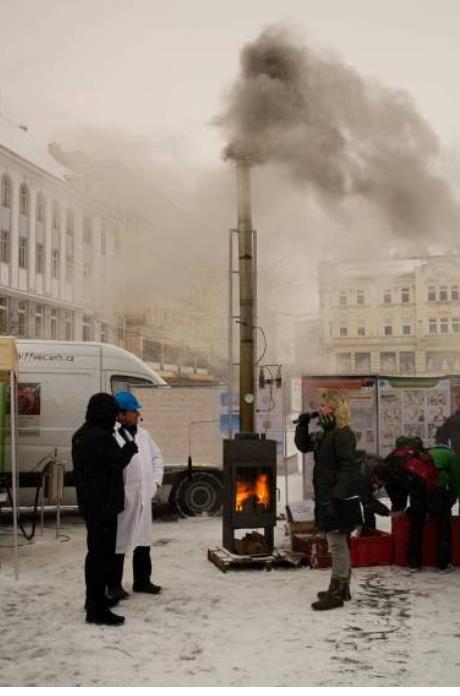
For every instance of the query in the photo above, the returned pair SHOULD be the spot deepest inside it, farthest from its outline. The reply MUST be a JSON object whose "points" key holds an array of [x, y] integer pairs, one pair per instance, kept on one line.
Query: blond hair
{"points": [[342, 410]]}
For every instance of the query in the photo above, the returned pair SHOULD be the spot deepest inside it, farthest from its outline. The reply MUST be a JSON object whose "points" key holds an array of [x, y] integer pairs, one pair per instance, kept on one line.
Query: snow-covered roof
{"points": [[20, 141]]}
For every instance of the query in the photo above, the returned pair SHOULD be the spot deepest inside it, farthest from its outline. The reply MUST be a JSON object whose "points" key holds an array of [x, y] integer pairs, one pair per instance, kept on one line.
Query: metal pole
{"points": [[230, 337], [255, 323], [245, 260], [13, 426]]}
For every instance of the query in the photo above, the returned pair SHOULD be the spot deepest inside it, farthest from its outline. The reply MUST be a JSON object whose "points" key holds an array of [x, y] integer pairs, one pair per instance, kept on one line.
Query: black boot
{"points": [[104, 617], [345, 587], [117, 593], [334, 597], [147, 587], [109, 602]]}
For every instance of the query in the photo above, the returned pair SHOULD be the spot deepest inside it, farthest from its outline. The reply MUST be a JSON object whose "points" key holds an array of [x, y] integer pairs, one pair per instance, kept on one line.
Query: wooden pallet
{"points": [[225, 560]]}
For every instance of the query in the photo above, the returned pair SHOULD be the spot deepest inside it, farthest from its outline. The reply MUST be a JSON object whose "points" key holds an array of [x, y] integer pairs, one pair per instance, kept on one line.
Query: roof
{"points": [[20, 142]]}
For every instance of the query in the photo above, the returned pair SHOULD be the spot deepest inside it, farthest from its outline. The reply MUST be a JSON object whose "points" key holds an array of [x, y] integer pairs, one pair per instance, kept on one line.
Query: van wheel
{"points": [[200, 494]]}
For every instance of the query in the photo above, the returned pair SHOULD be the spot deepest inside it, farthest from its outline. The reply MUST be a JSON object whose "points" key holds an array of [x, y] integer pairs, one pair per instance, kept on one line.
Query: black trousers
{"points": [[439, 506], [142, 567], [101, 538]]}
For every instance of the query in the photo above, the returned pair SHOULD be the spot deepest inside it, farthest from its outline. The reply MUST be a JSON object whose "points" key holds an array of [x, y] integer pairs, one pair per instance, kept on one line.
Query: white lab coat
{"points": [[142, 477]]}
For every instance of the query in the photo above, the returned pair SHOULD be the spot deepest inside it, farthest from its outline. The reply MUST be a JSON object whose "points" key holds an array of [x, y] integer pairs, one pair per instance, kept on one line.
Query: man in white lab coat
{"points": [[142, 478]]}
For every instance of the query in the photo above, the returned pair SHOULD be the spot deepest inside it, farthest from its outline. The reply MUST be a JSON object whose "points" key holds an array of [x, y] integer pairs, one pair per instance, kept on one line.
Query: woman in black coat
{"points": [[337, 506]]}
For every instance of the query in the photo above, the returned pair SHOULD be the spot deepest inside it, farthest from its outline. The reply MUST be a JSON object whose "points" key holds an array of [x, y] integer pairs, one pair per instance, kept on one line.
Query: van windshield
{"points": [[127, 382]]}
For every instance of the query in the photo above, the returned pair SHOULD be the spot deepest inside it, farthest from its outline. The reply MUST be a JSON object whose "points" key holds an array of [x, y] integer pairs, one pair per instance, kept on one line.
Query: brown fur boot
{"points": [[345, 587], [333, 598]]}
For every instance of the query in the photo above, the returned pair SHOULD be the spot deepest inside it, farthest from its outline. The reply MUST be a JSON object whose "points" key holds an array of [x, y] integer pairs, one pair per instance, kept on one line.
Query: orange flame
{"points": [[258, 490]]}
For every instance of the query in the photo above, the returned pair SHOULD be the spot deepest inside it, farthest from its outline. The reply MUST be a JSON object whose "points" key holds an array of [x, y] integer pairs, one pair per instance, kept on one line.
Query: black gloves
{"points": [[131, 447], [327, 422]]}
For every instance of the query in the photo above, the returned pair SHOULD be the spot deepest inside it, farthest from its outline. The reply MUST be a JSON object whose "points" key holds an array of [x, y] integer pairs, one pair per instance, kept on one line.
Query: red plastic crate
{"points": [[372, 549], [400, 528]]}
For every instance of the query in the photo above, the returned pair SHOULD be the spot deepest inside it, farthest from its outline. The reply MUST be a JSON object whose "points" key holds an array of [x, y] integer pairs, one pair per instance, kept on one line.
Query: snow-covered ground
{"points": [[242, 628]]}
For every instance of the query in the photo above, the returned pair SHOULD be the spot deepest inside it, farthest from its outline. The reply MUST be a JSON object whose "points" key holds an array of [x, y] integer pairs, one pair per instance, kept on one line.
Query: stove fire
{"points": [[252, 496]]}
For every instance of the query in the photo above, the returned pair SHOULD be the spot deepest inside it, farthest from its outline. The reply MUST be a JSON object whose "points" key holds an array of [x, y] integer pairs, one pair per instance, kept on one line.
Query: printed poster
{"points": [[411, 407]]}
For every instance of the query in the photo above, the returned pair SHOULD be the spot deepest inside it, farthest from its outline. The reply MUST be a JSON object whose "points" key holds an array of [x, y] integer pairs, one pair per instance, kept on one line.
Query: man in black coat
{"points": [[449, 432], [98, 463]]}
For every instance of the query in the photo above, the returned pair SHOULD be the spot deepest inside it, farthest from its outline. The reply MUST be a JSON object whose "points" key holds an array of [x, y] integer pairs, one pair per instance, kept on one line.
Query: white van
{"points": [[56, 380]]}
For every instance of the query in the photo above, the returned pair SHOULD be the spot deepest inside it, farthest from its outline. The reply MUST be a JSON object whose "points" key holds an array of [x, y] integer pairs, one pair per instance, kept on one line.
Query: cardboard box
{"points": [[301, 517], [315, 547]]}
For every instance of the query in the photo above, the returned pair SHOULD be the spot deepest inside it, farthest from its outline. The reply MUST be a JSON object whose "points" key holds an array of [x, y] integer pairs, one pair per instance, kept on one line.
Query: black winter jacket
{"points": [[449, 432], [334, 473], [98, 462]]}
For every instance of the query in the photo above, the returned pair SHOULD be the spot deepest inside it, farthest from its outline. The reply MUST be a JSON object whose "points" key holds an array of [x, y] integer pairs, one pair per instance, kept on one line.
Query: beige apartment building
{"points": [[391, 316]]}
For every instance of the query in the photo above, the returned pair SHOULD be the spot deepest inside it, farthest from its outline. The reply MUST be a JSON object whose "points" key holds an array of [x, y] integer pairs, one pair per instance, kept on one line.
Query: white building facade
{"points": [[58, 247], [394, 316]]}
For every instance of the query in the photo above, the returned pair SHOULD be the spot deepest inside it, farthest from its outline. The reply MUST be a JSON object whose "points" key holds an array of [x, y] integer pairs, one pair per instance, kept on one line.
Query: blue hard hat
{"points": [[127, 401]]}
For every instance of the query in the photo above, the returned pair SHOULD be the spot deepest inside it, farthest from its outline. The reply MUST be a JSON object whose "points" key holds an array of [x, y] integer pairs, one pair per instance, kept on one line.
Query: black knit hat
{"points": [[102, 408]]}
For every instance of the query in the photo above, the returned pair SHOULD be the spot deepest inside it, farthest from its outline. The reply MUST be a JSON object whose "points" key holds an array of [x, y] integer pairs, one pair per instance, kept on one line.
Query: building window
{"points": [[22, 318], [104, 333], [454, 292], [388, 362], [5, 246], [387, 297], [405, 295], [87, 231], [22, 252], [388, 330], [56, 217], [6, 192], [342, 298], [69, 223], [54, 324], [343, 332], [455, 324], [68, 326], [40, 259], [55, 263], [38, 321], [360, 297], [407, 362], [24, 200], [68, 269], [103, 242], [444, 325], [116, 242], [431, 294], [361, 330], [432, 326], [443, 293], [363, 363], [86, 269], [343, 363], [406, 329], [4, 315], [87, 329], [40, 208]]}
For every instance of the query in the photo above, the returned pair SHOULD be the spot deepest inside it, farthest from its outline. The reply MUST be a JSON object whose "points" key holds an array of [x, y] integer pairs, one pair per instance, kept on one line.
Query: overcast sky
{"points": [[159, 69]]}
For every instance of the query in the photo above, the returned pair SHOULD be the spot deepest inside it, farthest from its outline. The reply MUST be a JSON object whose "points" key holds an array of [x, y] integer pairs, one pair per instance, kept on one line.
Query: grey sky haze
{"points": [[159, 69]]}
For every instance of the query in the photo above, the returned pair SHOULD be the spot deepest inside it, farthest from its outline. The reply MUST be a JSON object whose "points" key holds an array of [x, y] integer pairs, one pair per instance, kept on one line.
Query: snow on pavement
{"points": [[242, 628]]}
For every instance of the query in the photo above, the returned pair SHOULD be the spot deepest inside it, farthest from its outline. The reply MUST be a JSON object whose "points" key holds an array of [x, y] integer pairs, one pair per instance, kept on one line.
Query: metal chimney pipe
{"points": [[246, 277]]}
